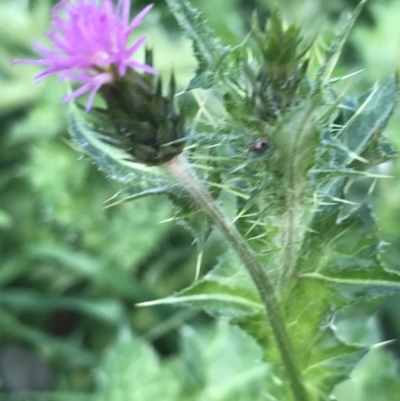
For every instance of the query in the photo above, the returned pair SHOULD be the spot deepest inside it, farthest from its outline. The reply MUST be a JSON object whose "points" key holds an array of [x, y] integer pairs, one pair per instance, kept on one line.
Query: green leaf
{"points": [[117, 164], [375, 378], [108, 311], [362, 133], [333, 53], [347, 256], [226, 292], [84, 265], [332, 364], [212, 56], [134, 373], [348, 260], [339, 264], [222, 365]]}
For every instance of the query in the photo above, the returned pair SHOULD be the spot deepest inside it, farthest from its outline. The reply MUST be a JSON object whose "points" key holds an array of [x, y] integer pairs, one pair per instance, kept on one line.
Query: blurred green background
{"points": [[71, 270]]}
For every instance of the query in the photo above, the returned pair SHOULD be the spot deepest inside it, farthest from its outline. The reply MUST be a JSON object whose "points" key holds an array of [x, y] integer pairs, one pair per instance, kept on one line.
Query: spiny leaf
{"points": [[112, 160], [224, 289], [341, 172], [228, 293], [347, 259], [364, 135], [209, 51], [359, 144], [347, 255], [333, 53], [339, 264], [222, 364], [331, 365]]}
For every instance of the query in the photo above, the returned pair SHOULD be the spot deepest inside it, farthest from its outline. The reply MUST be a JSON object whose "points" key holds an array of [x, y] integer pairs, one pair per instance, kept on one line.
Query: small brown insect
{"points": [[260, 145]]}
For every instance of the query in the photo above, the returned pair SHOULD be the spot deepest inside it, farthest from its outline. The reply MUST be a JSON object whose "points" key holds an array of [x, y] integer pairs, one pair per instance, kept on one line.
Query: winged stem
{"points": [[183, 172]]}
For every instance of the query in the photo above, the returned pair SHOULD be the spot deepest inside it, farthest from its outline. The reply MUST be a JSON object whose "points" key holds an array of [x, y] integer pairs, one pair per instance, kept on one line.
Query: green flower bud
{"points": [[145, 121], [277, 84]]}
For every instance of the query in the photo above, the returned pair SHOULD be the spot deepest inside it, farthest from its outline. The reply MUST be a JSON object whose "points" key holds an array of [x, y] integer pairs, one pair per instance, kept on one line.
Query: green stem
{"points": [[288, 240], [183, 172], [290, 233]]}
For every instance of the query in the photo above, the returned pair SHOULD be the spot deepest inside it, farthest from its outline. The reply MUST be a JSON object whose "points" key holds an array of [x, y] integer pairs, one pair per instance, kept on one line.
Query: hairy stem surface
{"points": [[290, 238], [180, 168]]}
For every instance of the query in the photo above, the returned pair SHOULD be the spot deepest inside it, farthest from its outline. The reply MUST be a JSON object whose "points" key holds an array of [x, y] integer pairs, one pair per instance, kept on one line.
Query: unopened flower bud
{"points": [[146, 122]]}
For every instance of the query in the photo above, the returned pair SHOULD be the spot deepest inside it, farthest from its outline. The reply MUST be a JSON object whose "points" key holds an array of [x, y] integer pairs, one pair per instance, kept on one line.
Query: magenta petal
{"points": [[43, 50], [143, 67], [80, 91], [99, 81], [102, 79], [89, 103], [122, 70], [135, 47], [46, 73], [138, 19], [36, 62], [124, 7], [108, 6]]}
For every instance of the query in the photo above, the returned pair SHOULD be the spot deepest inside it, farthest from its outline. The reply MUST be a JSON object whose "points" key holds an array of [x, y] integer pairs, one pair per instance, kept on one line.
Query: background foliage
{"points": [[72, 270]]}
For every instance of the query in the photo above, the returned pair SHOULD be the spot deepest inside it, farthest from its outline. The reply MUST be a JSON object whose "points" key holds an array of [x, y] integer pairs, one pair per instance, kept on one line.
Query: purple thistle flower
{"points": [[90, 41]]}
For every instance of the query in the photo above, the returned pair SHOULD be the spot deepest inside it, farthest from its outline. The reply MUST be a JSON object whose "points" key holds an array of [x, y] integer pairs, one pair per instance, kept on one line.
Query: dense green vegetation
{"points": [[74, 263]]}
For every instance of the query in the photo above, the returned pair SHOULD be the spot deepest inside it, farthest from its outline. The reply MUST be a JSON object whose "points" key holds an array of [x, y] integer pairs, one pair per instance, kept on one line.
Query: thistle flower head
{"points": [[90, 44]]}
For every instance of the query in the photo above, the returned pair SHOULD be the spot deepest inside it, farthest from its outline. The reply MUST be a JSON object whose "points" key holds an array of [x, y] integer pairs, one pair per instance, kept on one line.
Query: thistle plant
{"points": [[282, 154], [90, 45]]}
